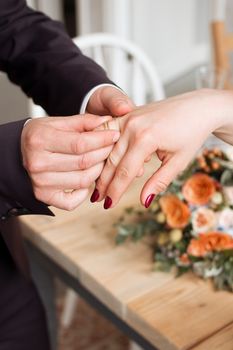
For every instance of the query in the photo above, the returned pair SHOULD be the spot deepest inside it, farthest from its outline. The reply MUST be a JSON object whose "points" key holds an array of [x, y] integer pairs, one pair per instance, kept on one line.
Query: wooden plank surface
{"points": [[186, 310], [171, 313], [222, 340]]}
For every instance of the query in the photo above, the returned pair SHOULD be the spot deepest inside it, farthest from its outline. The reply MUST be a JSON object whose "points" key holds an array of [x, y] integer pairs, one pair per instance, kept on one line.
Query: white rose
{"points": [[225, 219], [217, 198], [228, 191], [203, 220]]}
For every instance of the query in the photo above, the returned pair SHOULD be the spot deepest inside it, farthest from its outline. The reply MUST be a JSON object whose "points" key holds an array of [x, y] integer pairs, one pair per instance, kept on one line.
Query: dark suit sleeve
{"points": [[16, 195], [38, 55]]}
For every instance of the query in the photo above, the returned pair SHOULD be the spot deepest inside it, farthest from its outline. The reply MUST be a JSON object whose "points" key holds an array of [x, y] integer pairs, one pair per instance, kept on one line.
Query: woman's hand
{"points": [[174, 129]]}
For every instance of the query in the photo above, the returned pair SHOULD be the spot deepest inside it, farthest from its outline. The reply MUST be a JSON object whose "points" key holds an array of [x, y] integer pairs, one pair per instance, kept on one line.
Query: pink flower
{"points": [[226, 219]]}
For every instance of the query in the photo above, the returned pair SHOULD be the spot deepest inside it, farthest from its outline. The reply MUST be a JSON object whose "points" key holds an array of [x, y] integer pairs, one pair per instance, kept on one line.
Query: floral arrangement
{"points": [[191, 225]]}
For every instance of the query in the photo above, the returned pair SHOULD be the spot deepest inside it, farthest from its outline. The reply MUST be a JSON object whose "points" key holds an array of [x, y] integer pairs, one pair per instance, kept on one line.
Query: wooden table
{"points": [[154, 309]]}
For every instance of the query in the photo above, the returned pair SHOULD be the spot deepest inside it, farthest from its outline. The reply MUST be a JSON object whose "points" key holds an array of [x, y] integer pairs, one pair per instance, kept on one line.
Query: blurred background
{"points": [[173, 33]]}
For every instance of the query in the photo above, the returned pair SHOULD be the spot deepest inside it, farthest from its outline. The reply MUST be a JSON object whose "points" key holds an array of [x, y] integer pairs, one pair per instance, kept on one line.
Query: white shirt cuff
{"points": [[91, 92], [88, 96], [28, 120]]}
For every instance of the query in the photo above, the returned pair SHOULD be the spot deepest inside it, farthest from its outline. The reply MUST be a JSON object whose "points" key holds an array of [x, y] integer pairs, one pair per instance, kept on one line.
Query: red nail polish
{"points": [[107, 202], [149, 200], [95, 196]]}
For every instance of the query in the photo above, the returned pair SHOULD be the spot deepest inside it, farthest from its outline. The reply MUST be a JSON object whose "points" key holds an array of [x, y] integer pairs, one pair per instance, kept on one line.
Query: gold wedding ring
{"points": [[112, 124], [106, 126]]}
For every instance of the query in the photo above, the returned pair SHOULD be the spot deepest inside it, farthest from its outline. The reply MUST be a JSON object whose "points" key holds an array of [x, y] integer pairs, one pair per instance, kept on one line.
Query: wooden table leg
{"points": [[44, 280], [48, 269]]}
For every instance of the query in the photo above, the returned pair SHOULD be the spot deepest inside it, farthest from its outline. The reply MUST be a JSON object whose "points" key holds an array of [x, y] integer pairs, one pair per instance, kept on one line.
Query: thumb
{"points": [[162, 178], [110, 100], [117, 102]]}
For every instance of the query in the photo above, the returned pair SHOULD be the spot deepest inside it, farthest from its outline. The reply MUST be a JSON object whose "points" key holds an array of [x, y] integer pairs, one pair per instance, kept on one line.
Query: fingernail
{"points": [[149, 200], [95, 196], [107, 202]]}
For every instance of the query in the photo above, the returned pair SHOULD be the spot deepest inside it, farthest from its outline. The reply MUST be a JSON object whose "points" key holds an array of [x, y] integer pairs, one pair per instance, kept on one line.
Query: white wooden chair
{"points": [[130, 68], [126, 64]]}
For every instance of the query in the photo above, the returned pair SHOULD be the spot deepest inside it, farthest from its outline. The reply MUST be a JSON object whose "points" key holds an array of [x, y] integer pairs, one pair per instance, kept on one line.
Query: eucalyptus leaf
{"points": [[226, 178], [224, 163]]}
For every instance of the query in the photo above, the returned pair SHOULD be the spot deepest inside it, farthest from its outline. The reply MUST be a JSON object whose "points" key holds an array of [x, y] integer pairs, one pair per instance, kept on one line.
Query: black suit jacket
{"points": [[38, 55]]}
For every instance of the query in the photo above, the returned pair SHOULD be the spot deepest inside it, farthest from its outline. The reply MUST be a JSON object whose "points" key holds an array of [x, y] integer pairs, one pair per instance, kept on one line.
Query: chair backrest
{"points": [[126, 64]]}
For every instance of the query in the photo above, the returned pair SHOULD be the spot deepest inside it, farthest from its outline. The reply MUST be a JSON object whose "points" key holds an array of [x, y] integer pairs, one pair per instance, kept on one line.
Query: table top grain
{"points": [[171, 313]]}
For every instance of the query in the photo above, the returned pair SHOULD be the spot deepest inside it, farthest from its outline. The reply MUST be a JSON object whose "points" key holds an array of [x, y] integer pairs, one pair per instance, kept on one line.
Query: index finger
{"points": [[79, 123], [80, 143]]}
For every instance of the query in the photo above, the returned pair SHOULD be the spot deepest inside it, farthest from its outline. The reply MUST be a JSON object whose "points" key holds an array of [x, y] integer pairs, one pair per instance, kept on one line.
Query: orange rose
{"points": [[177, 212], [209, 242], [198, 189]]}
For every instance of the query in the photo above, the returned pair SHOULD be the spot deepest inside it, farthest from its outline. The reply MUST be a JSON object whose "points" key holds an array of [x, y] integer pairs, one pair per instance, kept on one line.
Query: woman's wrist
{"points": [[221, 112]]}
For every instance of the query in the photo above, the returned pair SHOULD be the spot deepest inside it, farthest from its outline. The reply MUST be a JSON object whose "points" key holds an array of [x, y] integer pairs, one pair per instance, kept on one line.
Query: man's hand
{"points": [[64, 156], [108, 100]]}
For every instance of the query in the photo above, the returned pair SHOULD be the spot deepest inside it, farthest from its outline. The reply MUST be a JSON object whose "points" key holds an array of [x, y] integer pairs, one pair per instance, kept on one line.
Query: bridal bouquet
{"points": [[191, 225]]}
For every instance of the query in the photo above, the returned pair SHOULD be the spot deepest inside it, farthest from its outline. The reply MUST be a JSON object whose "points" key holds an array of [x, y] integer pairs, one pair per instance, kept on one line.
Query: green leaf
{"points": [[124, 230], [182, 270], [227, 178], [120, 239], [162, 266], [139, 232], [224, 163]]}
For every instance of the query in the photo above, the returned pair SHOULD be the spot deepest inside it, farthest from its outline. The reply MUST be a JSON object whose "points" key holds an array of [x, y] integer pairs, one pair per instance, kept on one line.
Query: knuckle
{"points": [[40, 180], [161, 186], [144, 138], [112, 160], [35, 165], [77, 145], [122, 173], [132, 123], [83, 162]]}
